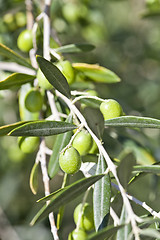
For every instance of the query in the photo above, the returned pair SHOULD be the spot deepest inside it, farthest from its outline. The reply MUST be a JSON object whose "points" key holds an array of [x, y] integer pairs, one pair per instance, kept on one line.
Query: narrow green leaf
{"points": [[4, 130], [34, 178], [91, 102], [75, 48], [7, 52], [133, 121], [66, 195], [16, 79], [42, 128], [105, 233], [82, 85], [101, 196], [95, 120], [61, 141], [125, 169], [155, 169], [123, 232], [97, 73], [150, 233], [54, 76]]}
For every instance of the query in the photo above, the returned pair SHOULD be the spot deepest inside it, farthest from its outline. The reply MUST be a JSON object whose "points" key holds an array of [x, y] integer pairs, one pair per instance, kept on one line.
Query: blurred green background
{"points": [[127, 39]]}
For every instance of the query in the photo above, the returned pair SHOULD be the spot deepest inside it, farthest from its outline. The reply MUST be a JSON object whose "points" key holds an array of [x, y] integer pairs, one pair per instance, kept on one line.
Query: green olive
{"points": [[42, 81], [66, 68], [82, 142], [111, 109], [87, 220], [77, 235], [28, 144], [20, 18], [33, 100], [25, 40], [94, 148], [70, 160]]}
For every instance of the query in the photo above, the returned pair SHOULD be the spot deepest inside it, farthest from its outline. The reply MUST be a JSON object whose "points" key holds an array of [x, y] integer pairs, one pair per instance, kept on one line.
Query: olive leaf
{"points": [[4, 130], [97, 73], [16, 79], [75, 48], [42, 128], [54, 76], [9, 53], [64, 196]]}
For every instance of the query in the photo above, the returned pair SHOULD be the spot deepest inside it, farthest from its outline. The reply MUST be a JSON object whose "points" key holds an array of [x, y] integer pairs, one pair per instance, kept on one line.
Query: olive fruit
{"points": [[94, 148], [111, 109], [28, 144], [66, 68], [33, 100], [92, 93], [82, 142], [77, 235], [20, 18], [87, 220], [42, 81], [70, 160], [24, 40]]}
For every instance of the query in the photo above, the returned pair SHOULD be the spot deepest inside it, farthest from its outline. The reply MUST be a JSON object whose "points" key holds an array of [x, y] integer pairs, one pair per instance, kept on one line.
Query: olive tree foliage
{"points": [[58, 96]]}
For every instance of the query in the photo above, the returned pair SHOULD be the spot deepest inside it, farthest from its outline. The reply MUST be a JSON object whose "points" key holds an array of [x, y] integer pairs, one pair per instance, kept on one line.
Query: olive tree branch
{"points": [[111, 166]]}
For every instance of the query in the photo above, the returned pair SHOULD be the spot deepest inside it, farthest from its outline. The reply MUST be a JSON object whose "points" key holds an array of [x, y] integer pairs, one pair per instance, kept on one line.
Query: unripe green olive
{"points": [[33, 100], [111, 109], [20, 18], [94, 148], [9, 20], [42, 81], [87, 220], [70, 160], [82, 142], [28, 144], [24, 40], [77, 235], [92, 93], [66, 68]]}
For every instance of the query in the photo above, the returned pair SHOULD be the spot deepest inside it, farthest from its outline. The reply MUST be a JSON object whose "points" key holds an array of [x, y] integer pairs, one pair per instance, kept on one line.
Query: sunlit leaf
{"points": [[42, 128], [54, 76], [7, 52], [75, 48], [133, 121], [97, 73], [155, 169], [61, 141], [64, 196], [34, 178], [101, 196], [123, 232], [16, 79]]}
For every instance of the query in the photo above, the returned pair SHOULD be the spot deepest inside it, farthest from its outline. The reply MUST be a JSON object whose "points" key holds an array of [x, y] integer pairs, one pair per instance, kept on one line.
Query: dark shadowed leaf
{"points": [[61, 141], [133, 121], [97, 73], [75, 48], [34, 178], [105, 233], [95, 120], [125, 169], [54, 76], [16, 79], [7, 52], [64, 196], [42, 128], [101, 196], [4, 130]]}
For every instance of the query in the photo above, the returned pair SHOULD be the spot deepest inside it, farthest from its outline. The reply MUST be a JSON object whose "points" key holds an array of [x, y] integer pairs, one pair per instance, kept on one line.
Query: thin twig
{"points": [[52, 104], [14, 67]]}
